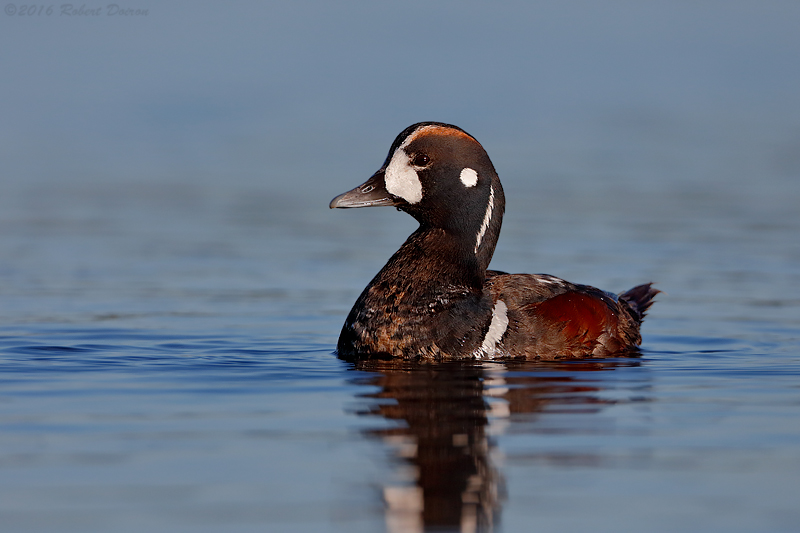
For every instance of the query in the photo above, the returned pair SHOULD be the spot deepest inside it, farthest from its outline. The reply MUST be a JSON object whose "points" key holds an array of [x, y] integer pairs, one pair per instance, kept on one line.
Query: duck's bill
{"points": [[371, 193]]}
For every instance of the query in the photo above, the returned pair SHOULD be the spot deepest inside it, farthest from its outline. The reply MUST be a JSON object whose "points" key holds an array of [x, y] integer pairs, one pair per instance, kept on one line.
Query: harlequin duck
{"points": [[435, 298]]}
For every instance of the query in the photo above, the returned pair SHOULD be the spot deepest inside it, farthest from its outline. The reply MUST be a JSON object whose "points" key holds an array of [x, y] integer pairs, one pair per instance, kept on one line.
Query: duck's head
{"points": [[442, 176]]}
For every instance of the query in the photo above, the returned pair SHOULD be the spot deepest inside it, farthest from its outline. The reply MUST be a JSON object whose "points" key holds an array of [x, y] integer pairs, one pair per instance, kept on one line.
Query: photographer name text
{"points": [[72, 10]]}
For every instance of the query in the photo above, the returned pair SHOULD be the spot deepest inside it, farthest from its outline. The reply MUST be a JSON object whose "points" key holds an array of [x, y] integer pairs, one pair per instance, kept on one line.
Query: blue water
{"points": [[172, 282], [166, 364]]}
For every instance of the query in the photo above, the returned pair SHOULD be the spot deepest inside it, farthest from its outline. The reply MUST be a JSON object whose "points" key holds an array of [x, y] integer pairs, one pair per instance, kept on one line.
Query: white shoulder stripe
{"points": [[497, 327]]}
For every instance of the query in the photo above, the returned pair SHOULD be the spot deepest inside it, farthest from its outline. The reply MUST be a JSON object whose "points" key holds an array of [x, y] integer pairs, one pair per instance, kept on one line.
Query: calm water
{"points": [[172, 283], [166, 363]]}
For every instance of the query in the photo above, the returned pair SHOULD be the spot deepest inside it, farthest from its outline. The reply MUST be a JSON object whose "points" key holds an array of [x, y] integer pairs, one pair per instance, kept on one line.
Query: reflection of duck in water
{"points": [[435, 297], [448, 478], [442, 443]]}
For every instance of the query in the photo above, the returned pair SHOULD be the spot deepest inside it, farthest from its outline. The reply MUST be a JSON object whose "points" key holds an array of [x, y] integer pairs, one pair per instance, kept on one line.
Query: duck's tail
{"points": [[639, 299]]}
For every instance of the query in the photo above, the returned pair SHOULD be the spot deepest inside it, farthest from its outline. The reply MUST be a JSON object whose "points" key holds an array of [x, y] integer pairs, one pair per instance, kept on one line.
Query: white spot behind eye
{"points": [[401, 178], [469, 177], [486, 219]]}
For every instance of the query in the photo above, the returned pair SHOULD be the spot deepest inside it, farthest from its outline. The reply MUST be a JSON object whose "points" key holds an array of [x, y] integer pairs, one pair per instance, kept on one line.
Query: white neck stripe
{"points": [[486, 219]]}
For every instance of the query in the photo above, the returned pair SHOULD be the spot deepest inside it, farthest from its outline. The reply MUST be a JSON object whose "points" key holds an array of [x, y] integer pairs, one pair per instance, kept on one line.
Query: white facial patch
{"points": [[487, 217], [401, 178], [497, 327], [469, 177]]}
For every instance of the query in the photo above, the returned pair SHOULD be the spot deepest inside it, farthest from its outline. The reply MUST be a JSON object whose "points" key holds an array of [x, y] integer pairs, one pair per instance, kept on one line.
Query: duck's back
{"points": [[550, 318]]}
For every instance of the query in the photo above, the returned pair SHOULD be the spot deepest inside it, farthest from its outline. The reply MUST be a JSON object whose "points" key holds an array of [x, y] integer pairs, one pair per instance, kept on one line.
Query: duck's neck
{"points": [[435, 257]]}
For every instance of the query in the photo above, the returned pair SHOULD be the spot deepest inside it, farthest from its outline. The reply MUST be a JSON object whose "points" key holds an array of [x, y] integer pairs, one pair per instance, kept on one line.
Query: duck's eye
{"points": [[420, 160]]}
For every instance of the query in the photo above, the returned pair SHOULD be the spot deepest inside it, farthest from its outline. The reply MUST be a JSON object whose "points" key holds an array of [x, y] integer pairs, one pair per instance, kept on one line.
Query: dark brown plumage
{"points": [[435, 297]]}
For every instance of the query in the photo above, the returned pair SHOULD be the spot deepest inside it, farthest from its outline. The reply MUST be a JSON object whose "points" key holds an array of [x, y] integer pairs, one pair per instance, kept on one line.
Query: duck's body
{"points": [[435, 297]]}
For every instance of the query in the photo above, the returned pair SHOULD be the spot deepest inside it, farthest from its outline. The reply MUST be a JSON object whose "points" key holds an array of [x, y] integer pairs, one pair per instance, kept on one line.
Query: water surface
{"points": [[172, 282], [166, 363]]}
